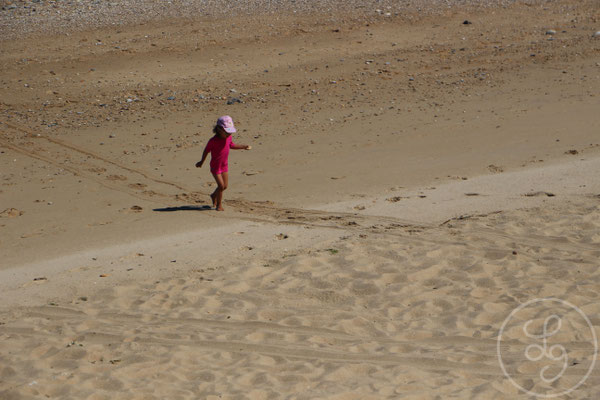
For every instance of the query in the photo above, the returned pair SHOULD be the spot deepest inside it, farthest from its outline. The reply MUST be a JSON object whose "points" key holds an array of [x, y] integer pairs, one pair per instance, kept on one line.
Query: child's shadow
{"points": [[184, 208]]}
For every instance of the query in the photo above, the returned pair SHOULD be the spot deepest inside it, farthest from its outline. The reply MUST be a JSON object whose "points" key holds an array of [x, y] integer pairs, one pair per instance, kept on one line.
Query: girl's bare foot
{"points": [[213, 196], [220, 208]]}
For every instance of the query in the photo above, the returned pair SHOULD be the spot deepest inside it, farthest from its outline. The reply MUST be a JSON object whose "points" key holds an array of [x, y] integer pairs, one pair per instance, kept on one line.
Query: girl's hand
{"points": [[248, 147], [199, 164]]}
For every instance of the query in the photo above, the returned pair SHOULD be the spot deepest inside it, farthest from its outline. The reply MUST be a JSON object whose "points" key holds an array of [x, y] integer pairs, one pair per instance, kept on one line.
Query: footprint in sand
{"points": [[540, 193], [97, 170], [35, 281], [195, 197], [396, 199], [99, 223], [116, 178], [135, 209], [137, 185], [495, 169], [32, 234]]}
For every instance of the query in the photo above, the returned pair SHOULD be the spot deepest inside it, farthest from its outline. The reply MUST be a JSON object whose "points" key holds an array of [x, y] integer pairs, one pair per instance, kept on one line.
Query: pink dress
{"points": [[219, 153]]}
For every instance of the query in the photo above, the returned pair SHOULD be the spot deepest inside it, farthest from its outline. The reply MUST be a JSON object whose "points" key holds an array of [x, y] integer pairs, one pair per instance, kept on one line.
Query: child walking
{"points": [[218, 146]]}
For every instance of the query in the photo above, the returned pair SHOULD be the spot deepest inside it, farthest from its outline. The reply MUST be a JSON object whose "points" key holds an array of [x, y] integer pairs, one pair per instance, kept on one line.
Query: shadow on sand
{"points": [[184, 208]]}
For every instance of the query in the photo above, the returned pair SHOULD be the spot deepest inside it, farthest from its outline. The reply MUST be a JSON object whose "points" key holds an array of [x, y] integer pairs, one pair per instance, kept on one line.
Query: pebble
{"points": [[233, 100], [11, 213], [550, 32], [596, 34], [171, 98]]}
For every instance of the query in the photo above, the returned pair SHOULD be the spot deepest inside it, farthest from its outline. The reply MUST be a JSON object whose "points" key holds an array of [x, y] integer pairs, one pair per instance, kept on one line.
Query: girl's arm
{"points": [[241, 147], [204, 154]]}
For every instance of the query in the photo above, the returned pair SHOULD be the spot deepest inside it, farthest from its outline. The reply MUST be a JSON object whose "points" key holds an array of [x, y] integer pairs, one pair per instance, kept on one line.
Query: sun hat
{"points": [[226, 122]]}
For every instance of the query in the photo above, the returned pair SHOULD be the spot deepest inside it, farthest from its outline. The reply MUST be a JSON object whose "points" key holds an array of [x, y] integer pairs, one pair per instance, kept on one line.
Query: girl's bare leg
{"points": [[225, 176], [217, 196]]}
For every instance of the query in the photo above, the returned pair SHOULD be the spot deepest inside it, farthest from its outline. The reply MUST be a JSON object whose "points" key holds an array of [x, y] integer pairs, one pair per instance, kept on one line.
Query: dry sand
{"points": [[412, 181]]}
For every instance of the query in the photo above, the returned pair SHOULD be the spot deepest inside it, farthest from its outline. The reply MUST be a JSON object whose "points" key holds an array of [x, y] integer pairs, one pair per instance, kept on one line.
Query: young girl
{"points": [[218, 146]]}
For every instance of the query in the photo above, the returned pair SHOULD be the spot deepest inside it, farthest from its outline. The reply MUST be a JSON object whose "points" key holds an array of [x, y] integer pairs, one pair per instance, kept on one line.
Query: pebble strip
{"points": [[20, 18]]}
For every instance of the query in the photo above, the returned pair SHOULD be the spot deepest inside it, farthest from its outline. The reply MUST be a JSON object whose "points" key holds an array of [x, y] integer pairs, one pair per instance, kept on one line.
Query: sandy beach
{"points": [[422, 192]]}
